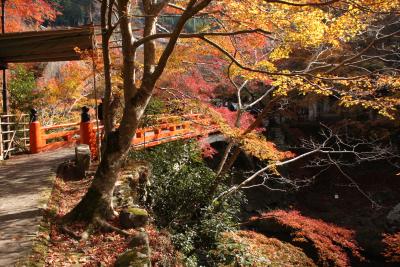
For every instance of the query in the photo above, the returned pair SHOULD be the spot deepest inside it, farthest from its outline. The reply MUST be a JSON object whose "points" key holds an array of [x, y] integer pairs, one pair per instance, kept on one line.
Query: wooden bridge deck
{"points": [[23, 180]]}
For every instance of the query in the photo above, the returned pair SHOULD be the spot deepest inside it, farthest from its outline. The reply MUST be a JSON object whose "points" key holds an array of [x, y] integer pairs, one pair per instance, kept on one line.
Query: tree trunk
{"points": [[224, 157], [106, 34], [98, 200]]}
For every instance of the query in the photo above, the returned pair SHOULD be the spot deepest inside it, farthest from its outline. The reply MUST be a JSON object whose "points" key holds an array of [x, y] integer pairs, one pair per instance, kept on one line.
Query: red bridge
{"points": [[164, 129]]}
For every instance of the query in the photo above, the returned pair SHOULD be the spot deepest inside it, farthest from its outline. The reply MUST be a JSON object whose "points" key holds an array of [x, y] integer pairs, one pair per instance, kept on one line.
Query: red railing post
{"points": [[88, 136], [35, 137], [186, 125], [35, 133], [86, 129]]}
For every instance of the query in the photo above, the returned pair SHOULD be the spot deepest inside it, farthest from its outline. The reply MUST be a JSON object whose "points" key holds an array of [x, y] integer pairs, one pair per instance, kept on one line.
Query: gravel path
{"points": [[23, 180]]}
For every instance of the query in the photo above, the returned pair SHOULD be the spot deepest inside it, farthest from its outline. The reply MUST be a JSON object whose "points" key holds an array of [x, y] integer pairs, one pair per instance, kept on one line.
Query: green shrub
{"points": [[181, 200], [22, 90], [155, 106]]}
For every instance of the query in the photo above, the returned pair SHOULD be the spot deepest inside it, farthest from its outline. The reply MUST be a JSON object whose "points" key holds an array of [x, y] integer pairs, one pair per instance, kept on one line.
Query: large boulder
{"points": [[133, 218], [393, 218]]}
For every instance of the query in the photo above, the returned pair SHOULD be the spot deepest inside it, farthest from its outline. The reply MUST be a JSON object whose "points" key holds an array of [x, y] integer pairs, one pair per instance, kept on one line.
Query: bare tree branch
{"points": [[333, 145]]}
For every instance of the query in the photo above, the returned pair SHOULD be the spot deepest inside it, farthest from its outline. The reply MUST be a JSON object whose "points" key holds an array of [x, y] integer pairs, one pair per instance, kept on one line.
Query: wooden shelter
{"points": [[36, 46], [45, 46]]}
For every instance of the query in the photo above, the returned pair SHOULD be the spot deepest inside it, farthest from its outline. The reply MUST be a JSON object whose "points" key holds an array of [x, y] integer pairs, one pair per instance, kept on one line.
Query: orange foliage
{"points": [[330, 241], [73, 79], [259, 250], [392, 244], [231, 116], [28, 14]]}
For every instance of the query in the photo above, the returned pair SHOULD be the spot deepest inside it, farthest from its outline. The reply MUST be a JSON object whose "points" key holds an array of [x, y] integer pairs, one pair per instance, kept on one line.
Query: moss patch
{"points": [[138, 212], [40, 247]]}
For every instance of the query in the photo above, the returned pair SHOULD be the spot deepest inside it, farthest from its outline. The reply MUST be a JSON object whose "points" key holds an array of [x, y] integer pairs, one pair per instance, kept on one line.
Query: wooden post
{"points": [[4, 65], [6, 130], [1, 142], [24, 131], [35, 137]]}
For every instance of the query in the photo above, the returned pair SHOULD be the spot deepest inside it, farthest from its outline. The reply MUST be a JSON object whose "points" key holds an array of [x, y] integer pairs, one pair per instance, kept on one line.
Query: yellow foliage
{"points": [[292, 29]]}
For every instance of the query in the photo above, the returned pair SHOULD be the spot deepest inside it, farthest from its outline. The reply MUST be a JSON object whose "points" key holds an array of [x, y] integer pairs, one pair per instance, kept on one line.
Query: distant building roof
{"points": [[45, 46]]}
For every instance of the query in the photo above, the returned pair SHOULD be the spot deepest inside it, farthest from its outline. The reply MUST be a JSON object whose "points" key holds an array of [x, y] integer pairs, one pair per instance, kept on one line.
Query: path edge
{"points": [[39, 251]]}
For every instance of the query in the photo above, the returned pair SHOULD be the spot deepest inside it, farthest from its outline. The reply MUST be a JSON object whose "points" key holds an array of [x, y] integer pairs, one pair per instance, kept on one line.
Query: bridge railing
{"points": [[52, 137], [167, 129], [152, 136]]}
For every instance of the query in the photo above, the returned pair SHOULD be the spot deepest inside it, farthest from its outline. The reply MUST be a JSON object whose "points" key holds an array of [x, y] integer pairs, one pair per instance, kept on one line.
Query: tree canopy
{"points": [[239, 62], [25, 14]]}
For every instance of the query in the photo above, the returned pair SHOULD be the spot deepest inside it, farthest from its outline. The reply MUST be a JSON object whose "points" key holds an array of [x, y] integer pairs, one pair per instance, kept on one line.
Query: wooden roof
{"points": [[45, 46]]}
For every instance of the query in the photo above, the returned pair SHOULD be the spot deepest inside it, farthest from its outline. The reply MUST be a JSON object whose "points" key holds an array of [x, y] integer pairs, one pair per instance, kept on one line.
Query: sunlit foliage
{"points": [[28, 14], [332, 243], [392, 247]]}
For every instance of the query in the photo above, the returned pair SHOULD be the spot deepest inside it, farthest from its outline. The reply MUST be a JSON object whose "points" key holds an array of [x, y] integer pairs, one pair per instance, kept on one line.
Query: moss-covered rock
{"points": [[138, 212], [140, 239], [133, 258], [133, 217]]}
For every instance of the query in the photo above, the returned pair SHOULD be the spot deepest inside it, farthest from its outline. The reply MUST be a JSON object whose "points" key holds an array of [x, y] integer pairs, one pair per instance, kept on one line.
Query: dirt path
{"points": [[23, 180]]}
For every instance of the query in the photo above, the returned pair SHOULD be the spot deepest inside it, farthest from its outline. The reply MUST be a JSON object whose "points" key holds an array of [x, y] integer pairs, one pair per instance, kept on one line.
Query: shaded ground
{"points": [[23, 180], [332, 199], [99, 249], [67, 244]]}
